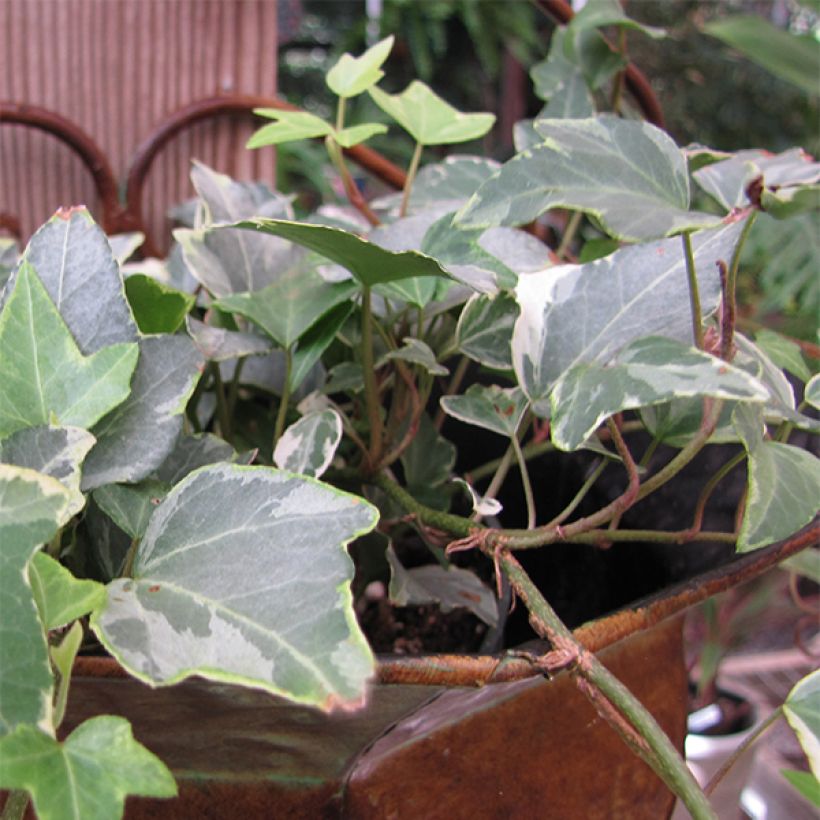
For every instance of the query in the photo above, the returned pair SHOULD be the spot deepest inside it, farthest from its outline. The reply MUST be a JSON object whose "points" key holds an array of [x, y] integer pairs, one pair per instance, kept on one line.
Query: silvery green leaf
{"points": [[135, 439], [191, 452], [351, 75], [446, 185], [345, 377], [45, 375], [784, 484], [130, 506], [286, 308], [499, 409], [124, 245], [428, 118], [88, 775], [812, 391], [54, 451], [9, 252], [574, 314], [417, 352], [308, 446], [73, 260], [677, 421], [481, 504], [572, 101], [450, 588], [525, 136], [802, 710], [277, 615], [648, 371], [787, 202], [783, 352], [218, 344], [61, 598], [485, 329], [31, 507], [629, 175], [429, 460], [551, 74]]}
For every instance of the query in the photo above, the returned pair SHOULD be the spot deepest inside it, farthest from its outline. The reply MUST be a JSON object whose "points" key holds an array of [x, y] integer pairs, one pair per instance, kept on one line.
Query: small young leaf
{"points": [[485, 329], [353, 75], [353, 135], [61, 598], [812, 391], [62, 656], [601, 13], [802, 710], [307, 447], [88, 775], [428, 118], [217, 344], [157, 307], [495, 408], [417, 352], [783, 352], [289, 126]]}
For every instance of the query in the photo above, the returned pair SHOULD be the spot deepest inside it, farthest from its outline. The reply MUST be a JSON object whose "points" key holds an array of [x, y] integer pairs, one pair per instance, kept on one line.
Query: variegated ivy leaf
{"points": [[417, 352], [812, 391], [351, 75], [124, 245], [217, 344], [485, 329], [784, 484], [130, 506], [31, 508], [481, 504], [629, 175], [191, 452], [242, 577], [428, 118], [61, 598], [560, 81], [499, 409], [308, 446], [450, 588], [54, 451], [575, 314], [802, 710], [648, 371], [88, 775], [45, 375]]}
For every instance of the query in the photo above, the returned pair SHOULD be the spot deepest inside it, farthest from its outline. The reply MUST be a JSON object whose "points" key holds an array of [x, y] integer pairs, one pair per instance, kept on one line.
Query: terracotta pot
{"points": [[528, 748]]}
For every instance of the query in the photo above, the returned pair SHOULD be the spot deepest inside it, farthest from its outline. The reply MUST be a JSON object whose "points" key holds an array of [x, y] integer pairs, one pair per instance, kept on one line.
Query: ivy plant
{"points": [[186, 452]]}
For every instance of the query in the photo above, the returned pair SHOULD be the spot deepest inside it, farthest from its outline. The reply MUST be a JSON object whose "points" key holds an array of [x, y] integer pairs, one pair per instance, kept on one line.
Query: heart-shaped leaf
{"points": [[31, 507], [485, 329], [157, 307], [267, 531], [784, 484], [572, 314], [88, 775], [648, 371], [43, 372], [289, 126], [217, 344], [351, 76], [428, 118], [353, 135], [308, 446], [495, 408], [630, 175], [417, 352], [60, 597]]}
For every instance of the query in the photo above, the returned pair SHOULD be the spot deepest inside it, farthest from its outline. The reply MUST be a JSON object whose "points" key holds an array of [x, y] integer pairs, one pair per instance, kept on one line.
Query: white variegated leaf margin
{"points": [[308, 445]]}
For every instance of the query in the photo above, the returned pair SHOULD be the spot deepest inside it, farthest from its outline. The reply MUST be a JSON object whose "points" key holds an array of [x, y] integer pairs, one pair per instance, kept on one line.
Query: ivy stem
{"points": [[734, 266], [284, 399], [709, 488], [16, 803], [612, 700], [340, 114], [352, 192], [371, 392], [130, 557], [569, 233], [499, 476], [694, 292], [233, 390], [455, 382], [411, 176], [579, 496], [525, 481], [739, 751]]}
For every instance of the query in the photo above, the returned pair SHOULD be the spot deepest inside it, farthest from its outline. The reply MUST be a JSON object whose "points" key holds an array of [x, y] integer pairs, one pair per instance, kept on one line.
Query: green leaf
{"points": [[267, 531], [353, 75], [561, 82], [792, 57], [88, 775], [130, 506], [600, 13], [451, 588], [192, 452], [630, 175], [649, 371], [785, 203], [54, 451], [289, 306], [485, 328], [429, 460], [802, 710], [348, 137], [428, 118], [62, 657], [308, 446], [61, 598], [575, 314], [804, 563], [220, 345], [43, 372], [495, 408], [314, 341], [805, 783], [812, 391], [157, 307], [784, 485], [74, 262], [783, 352], [416, 352], [31, 507], [289, 126], [135, 438], [369, 263]]}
